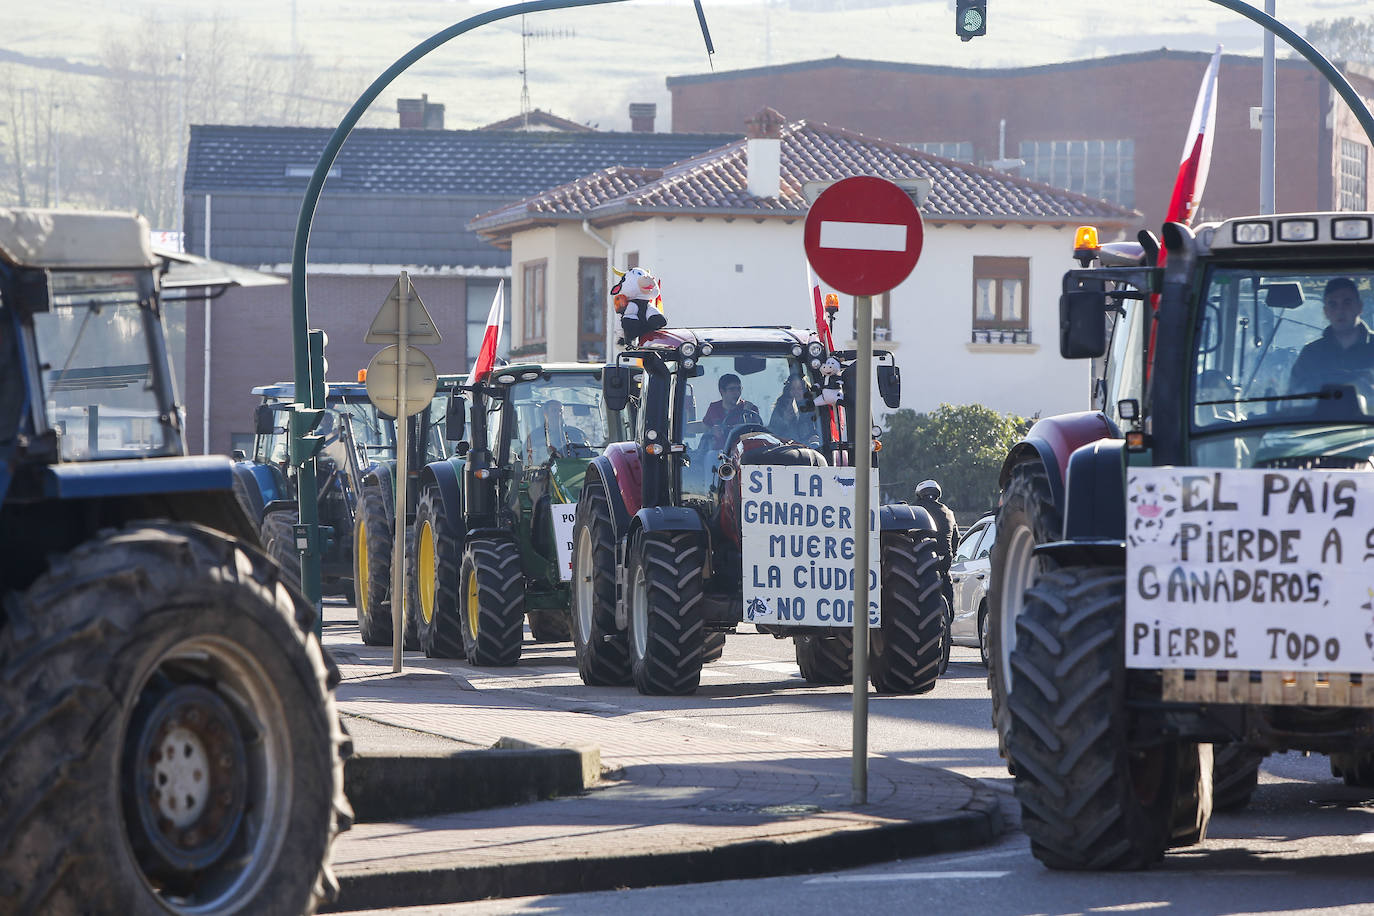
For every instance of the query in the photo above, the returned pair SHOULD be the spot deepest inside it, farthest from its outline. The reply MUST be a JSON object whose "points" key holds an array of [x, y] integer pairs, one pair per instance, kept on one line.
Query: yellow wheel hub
{"points": [[472, 601], [428, 572], [360, 548]]}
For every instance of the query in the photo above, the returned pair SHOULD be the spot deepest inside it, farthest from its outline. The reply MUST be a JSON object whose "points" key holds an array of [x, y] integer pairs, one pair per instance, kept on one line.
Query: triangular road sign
{"points": [[386, 327]]}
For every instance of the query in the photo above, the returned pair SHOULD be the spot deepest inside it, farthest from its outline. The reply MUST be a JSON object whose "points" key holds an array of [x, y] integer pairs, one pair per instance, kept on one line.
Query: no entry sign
{"points": [[863, 235]]}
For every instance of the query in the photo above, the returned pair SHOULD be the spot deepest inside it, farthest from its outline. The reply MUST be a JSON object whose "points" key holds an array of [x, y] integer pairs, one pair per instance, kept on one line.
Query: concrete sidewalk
{"points": [[674, 802]]}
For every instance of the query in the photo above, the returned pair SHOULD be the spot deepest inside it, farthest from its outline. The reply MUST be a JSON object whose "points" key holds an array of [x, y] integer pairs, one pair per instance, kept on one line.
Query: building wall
{"points": [[251, 342], [744, 272], [1145, 98], [563, 245]]}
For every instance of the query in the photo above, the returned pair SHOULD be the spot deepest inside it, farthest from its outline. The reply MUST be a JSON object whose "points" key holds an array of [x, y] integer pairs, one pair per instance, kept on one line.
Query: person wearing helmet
{"points": [[928, 497]]}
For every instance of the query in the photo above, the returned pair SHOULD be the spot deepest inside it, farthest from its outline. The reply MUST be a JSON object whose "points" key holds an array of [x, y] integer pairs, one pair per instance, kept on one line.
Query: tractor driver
{"points": [[730, 411], [1344, 354], [551, 437]]}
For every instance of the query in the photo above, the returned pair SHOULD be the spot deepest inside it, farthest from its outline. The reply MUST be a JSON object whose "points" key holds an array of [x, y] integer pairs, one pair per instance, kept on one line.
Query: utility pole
{"points": [[179, 217], [1267, 119]]}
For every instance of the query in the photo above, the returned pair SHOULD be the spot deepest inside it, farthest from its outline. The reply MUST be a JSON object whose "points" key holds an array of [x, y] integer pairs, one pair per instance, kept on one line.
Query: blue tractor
{"points": [[167, 723]]}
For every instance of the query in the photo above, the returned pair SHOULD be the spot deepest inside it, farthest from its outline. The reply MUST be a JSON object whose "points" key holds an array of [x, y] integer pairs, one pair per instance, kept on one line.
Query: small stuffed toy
{"points": [[638, 302], [832, 389]]}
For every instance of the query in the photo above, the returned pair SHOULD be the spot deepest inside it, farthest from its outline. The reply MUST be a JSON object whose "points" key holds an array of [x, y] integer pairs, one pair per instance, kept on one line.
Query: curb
{"points": [[383, 787], [979, 823]]}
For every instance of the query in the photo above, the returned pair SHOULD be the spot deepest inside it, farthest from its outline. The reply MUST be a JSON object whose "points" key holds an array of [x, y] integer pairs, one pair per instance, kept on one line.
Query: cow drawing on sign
{"points": [[756, 608], [1150, 505]]}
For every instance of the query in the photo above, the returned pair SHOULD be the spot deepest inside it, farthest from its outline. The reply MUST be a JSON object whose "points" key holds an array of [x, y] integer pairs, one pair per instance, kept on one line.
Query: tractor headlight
{"points": [[688, 350]]}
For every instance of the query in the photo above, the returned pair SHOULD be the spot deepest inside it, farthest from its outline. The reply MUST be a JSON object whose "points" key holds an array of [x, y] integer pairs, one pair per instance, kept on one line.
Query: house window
{"points": [[882, 322], [532, 301], [631, 259], [1001, 310], [1353, 188], [480, 294], [591, 309], [961, 150], [1104, 169]]}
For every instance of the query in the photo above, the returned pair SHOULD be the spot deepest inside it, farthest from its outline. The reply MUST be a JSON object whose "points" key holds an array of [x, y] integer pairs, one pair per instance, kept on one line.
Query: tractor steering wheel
{"points": [[741, 430]]}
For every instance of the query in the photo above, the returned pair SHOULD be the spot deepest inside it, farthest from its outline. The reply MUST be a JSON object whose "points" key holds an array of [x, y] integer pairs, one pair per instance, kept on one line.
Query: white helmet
{"points": [[928, 488]]}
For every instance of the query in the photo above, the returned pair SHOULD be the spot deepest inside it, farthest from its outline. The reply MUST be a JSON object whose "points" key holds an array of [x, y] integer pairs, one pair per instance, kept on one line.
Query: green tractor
{"points": [[493, 523], [374, 520]]}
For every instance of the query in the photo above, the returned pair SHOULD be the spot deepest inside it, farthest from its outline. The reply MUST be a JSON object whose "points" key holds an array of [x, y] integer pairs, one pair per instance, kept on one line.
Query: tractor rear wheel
{"points": [[667, 633], [493, 602], [826, 659], [603, 657], [435, 578], [1355, 768], [279, 540], [1027, 517], [712, 647], [550, 626], [372, 567], [1088, 799], [166, 655], [904, 653], [1235, 775]]}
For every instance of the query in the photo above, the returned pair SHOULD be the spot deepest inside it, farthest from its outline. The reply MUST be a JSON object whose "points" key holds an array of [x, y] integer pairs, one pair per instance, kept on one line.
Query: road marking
{"points": [[1365, 838], [863, 236], [910, 876]]}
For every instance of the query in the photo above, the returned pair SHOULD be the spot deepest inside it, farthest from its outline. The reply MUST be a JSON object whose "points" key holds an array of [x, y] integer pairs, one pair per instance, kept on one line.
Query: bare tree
{"points": [[1345, 38]]}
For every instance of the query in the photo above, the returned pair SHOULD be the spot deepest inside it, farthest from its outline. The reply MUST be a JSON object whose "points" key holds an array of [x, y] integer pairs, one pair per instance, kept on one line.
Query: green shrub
{"points": [[960, 446]]}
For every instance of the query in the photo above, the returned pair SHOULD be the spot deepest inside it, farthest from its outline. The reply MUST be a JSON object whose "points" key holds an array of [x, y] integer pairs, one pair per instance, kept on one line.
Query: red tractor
{"points": [[659, 545]]}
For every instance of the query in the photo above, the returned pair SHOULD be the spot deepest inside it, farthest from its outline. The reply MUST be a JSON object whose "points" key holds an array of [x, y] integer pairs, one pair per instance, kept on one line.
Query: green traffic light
{"points": [[971, 19]]}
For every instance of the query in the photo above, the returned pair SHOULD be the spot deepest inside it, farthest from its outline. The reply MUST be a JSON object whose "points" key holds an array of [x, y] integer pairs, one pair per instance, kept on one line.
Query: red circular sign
{"points": [[863, 235]]}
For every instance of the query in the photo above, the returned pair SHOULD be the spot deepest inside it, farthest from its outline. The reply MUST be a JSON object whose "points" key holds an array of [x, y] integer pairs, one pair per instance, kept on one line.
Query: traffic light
{"points": [[970, 18]]}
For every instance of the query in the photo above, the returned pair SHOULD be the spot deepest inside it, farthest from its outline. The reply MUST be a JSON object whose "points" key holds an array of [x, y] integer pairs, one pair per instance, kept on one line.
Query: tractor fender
{"points": [[904, 517], [666, 518], [379, 475], [1052, 440], [601, 468], [1095, 506], [278, 505], [627, 472], [447, 477], [256, 487]]}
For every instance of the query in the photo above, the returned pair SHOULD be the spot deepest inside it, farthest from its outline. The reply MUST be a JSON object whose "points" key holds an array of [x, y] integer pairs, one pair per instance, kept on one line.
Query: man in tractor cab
{"points": [[727, 412], [1344, 354], [551, 437]]}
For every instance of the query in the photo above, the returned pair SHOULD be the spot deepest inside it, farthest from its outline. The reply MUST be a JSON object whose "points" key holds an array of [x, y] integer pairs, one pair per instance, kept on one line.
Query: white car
{"points": [[969, 573]]}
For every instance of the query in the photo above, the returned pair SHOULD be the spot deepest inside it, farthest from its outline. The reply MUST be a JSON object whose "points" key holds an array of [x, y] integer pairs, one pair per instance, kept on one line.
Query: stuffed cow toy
{"points": [[638, 302]]}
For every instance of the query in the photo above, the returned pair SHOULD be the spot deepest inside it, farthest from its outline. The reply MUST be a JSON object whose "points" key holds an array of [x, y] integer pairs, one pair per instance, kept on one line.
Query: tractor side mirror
{"points": [[455, 418], [890, 386], [615, 386], [264, 420], [1082, 323]]}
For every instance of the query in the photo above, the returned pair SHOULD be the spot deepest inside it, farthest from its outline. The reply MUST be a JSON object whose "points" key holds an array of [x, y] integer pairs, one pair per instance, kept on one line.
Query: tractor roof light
{"points": [[796, 350], [362, 375], [506, 379], [1297, 230], [1351, 228], [1085, 244], [1253, 232], [688, 350], [816, 348], [706, 349]]}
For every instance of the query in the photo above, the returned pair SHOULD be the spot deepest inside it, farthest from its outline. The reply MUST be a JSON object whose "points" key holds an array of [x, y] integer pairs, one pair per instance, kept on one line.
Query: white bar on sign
{"points": [[863, 236]]}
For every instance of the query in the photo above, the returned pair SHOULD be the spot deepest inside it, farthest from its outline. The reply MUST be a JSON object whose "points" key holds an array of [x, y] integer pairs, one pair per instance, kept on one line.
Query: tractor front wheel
{"points": [[170, 741], [603, 658], [372, 567], [667, 633], [826, 659], [435, 578], [550, 626], [493, 602], [279, 540], [905, 652]]}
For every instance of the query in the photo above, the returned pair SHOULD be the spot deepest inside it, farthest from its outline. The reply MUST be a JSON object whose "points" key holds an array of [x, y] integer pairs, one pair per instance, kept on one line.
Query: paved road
{"points": [[1306, 844]]}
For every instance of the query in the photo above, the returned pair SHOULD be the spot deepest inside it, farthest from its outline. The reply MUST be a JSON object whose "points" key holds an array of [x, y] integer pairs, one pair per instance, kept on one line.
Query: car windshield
{"points": [[559, 415], [733, 391], [1279, 354], [99, 388]]}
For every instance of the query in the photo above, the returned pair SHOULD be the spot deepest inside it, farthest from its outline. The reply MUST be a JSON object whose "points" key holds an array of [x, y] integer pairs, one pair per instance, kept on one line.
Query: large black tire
{"points": [[603, 653], [279, 541], [435, 578], [550, 626], [1088, 799], [1355, 768], [826, 659], [667, 632], [947, 643], [712, 647], [372, 531], [1027, 517], [154, 636], [1235, 774], [904, 653], [492, 600]]}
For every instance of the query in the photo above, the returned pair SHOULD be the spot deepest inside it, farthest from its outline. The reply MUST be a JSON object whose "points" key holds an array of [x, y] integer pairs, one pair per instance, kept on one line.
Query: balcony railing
{"points": [[1001, 335]]}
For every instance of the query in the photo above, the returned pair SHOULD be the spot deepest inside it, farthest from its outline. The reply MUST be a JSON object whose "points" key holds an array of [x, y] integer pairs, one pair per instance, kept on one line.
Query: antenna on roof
{"points": [[705, 34], [525, 35]]}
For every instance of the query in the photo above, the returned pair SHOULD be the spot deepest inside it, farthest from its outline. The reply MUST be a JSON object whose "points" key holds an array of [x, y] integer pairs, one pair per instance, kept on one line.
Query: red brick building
{"points": [[1110, 127]]}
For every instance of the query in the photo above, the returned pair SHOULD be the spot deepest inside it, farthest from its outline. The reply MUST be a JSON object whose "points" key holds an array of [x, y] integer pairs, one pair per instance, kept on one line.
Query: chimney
{"points": [[642, 117], [420, 114], [764, 153]]}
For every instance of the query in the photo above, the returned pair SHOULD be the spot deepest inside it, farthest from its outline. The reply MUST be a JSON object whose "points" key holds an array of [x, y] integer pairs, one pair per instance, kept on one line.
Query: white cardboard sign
{"points": [[798, 544], [564, 514], [1250, 569]]}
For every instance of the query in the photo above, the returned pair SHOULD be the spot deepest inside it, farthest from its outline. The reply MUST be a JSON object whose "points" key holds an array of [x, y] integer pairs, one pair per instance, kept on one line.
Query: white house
{"points": [[976, 321]]}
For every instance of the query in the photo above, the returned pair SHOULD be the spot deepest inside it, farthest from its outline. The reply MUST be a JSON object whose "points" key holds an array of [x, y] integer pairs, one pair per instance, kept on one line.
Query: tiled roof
{"points": [[716, 181], [428, 162], [537, 119]]}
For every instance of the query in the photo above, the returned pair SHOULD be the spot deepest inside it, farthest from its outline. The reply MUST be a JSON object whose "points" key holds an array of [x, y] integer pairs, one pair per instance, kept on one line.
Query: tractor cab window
{"points": [[559, 416], [735, 392], [96, 351], [1284, 366]]}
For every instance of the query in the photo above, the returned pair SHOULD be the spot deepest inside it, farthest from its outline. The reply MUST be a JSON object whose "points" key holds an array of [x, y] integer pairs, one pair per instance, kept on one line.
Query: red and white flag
{"points": [[1197, 149], [491, 340]]}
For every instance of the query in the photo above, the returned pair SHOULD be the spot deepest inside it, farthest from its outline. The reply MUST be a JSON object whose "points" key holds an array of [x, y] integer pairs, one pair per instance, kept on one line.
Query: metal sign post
{"points": [[401, 380], [863, 235]]}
